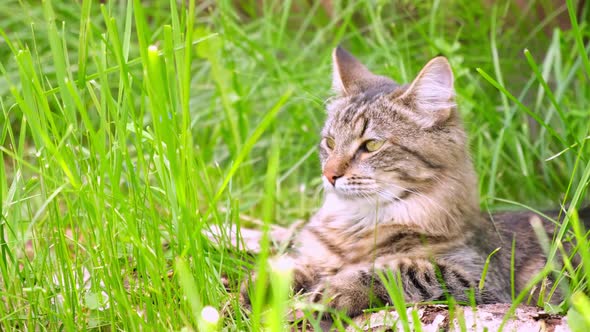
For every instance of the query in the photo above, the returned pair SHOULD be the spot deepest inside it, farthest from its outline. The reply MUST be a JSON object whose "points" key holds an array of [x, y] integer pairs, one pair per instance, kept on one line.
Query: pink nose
{"points": [[332, 175]]}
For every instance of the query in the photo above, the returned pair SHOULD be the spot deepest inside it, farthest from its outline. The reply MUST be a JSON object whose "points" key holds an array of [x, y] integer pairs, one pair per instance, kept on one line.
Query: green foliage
{"points": [[129, 128]]}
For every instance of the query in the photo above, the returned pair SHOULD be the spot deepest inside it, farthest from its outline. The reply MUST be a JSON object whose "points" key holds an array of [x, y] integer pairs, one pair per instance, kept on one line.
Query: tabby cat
{"points": [[401, 196]]}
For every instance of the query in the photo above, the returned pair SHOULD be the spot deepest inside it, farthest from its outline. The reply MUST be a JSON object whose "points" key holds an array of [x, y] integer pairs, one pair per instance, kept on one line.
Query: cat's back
{"points": [[518, 240], [521, 224]]}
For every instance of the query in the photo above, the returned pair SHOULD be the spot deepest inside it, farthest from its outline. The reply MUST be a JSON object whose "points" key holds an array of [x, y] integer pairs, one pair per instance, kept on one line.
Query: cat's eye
{"points": [[330, 143], [373, 145]]}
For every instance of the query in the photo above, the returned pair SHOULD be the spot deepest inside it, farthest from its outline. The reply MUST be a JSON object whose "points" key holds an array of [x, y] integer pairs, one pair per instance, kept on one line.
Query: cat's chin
{"points": [[381, 196], [372, 198], [365, 196], [357, 197]]}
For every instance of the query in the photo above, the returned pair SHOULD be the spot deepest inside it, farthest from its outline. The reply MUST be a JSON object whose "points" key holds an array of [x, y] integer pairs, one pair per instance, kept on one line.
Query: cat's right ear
{"points": [[350, 76]]}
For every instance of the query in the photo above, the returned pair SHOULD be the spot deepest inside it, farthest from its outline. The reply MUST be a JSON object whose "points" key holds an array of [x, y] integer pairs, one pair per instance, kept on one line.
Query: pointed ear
{"points": [[350, 75], [431, 95]]}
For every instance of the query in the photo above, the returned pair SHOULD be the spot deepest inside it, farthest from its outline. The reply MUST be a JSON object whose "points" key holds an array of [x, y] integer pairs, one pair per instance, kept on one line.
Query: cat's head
{"points": [[387, 142]]}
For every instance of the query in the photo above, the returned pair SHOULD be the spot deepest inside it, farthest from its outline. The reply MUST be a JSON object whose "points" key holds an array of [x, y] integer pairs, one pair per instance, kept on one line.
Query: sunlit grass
{"points": [[129, 128]]}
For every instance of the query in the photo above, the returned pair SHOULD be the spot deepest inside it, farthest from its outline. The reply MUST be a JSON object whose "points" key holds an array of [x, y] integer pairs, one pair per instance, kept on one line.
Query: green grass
{"points": [[131, 124]]}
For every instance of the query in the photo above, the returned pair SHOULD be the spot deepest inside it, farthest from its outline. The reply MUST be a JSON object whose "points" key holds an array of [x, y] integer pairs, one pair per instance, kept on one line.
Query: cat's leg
{"points": [[305, 277], [352, 291], [357, 288]]}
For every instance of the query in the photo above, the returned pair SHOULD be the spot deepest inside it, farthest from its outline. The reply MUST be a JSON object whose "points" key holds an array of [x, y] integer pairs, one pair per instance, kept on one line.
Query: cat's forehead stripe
{"points": [[353, 112], [365, 126], [348, 113]]}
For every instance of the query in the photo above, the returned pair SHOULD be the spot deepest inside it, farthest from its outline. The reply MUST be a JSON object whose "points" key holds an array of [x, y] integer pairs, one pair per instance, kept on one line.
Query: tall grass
{"points": [[128, 128]]}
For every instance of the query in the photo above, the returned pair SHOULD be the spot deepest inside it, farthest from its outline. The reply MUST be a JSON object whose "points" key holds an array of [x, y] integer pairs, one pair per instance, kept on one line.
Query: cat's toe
{"points": [[341, 295]]}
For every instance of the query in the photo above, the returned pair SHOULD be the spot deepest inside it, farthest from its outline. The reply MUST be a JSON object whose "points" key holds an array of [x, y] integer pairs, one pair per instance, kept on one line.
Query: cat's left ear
{"points": [[431, 96]]}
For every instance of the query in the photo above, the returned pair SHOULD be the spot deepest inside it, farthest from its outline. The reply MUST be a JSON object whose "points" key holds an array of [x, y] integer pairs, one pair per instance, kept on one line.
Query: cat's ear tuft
{"points": [[350, 76], [431, 95]]}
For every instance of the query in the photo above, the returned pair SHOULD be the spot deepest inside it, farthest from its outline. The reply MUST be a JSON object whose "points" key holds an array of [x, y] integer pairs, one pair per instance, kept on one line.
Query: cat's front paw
{"points": [[302, 278], [344, 292]]}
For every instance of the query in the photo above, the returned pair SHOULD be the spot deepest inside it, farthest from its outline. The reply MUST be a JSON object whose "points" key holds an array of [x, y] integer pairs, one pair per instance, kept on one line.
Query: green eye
{"points": [[330, 143], [373, 145]]}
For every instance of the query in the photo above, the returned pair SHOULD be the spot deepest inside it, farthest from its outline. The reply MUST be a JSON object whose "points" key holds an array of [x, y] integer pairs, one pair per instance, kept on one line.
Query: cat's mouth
{"points": [[366, 189]]}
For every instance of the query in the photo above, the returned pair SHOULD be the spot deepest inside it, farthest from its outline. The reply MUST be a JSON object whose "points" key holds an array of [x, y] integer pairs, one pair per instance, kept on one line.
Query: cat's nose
{"points": [[332, 175]]}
